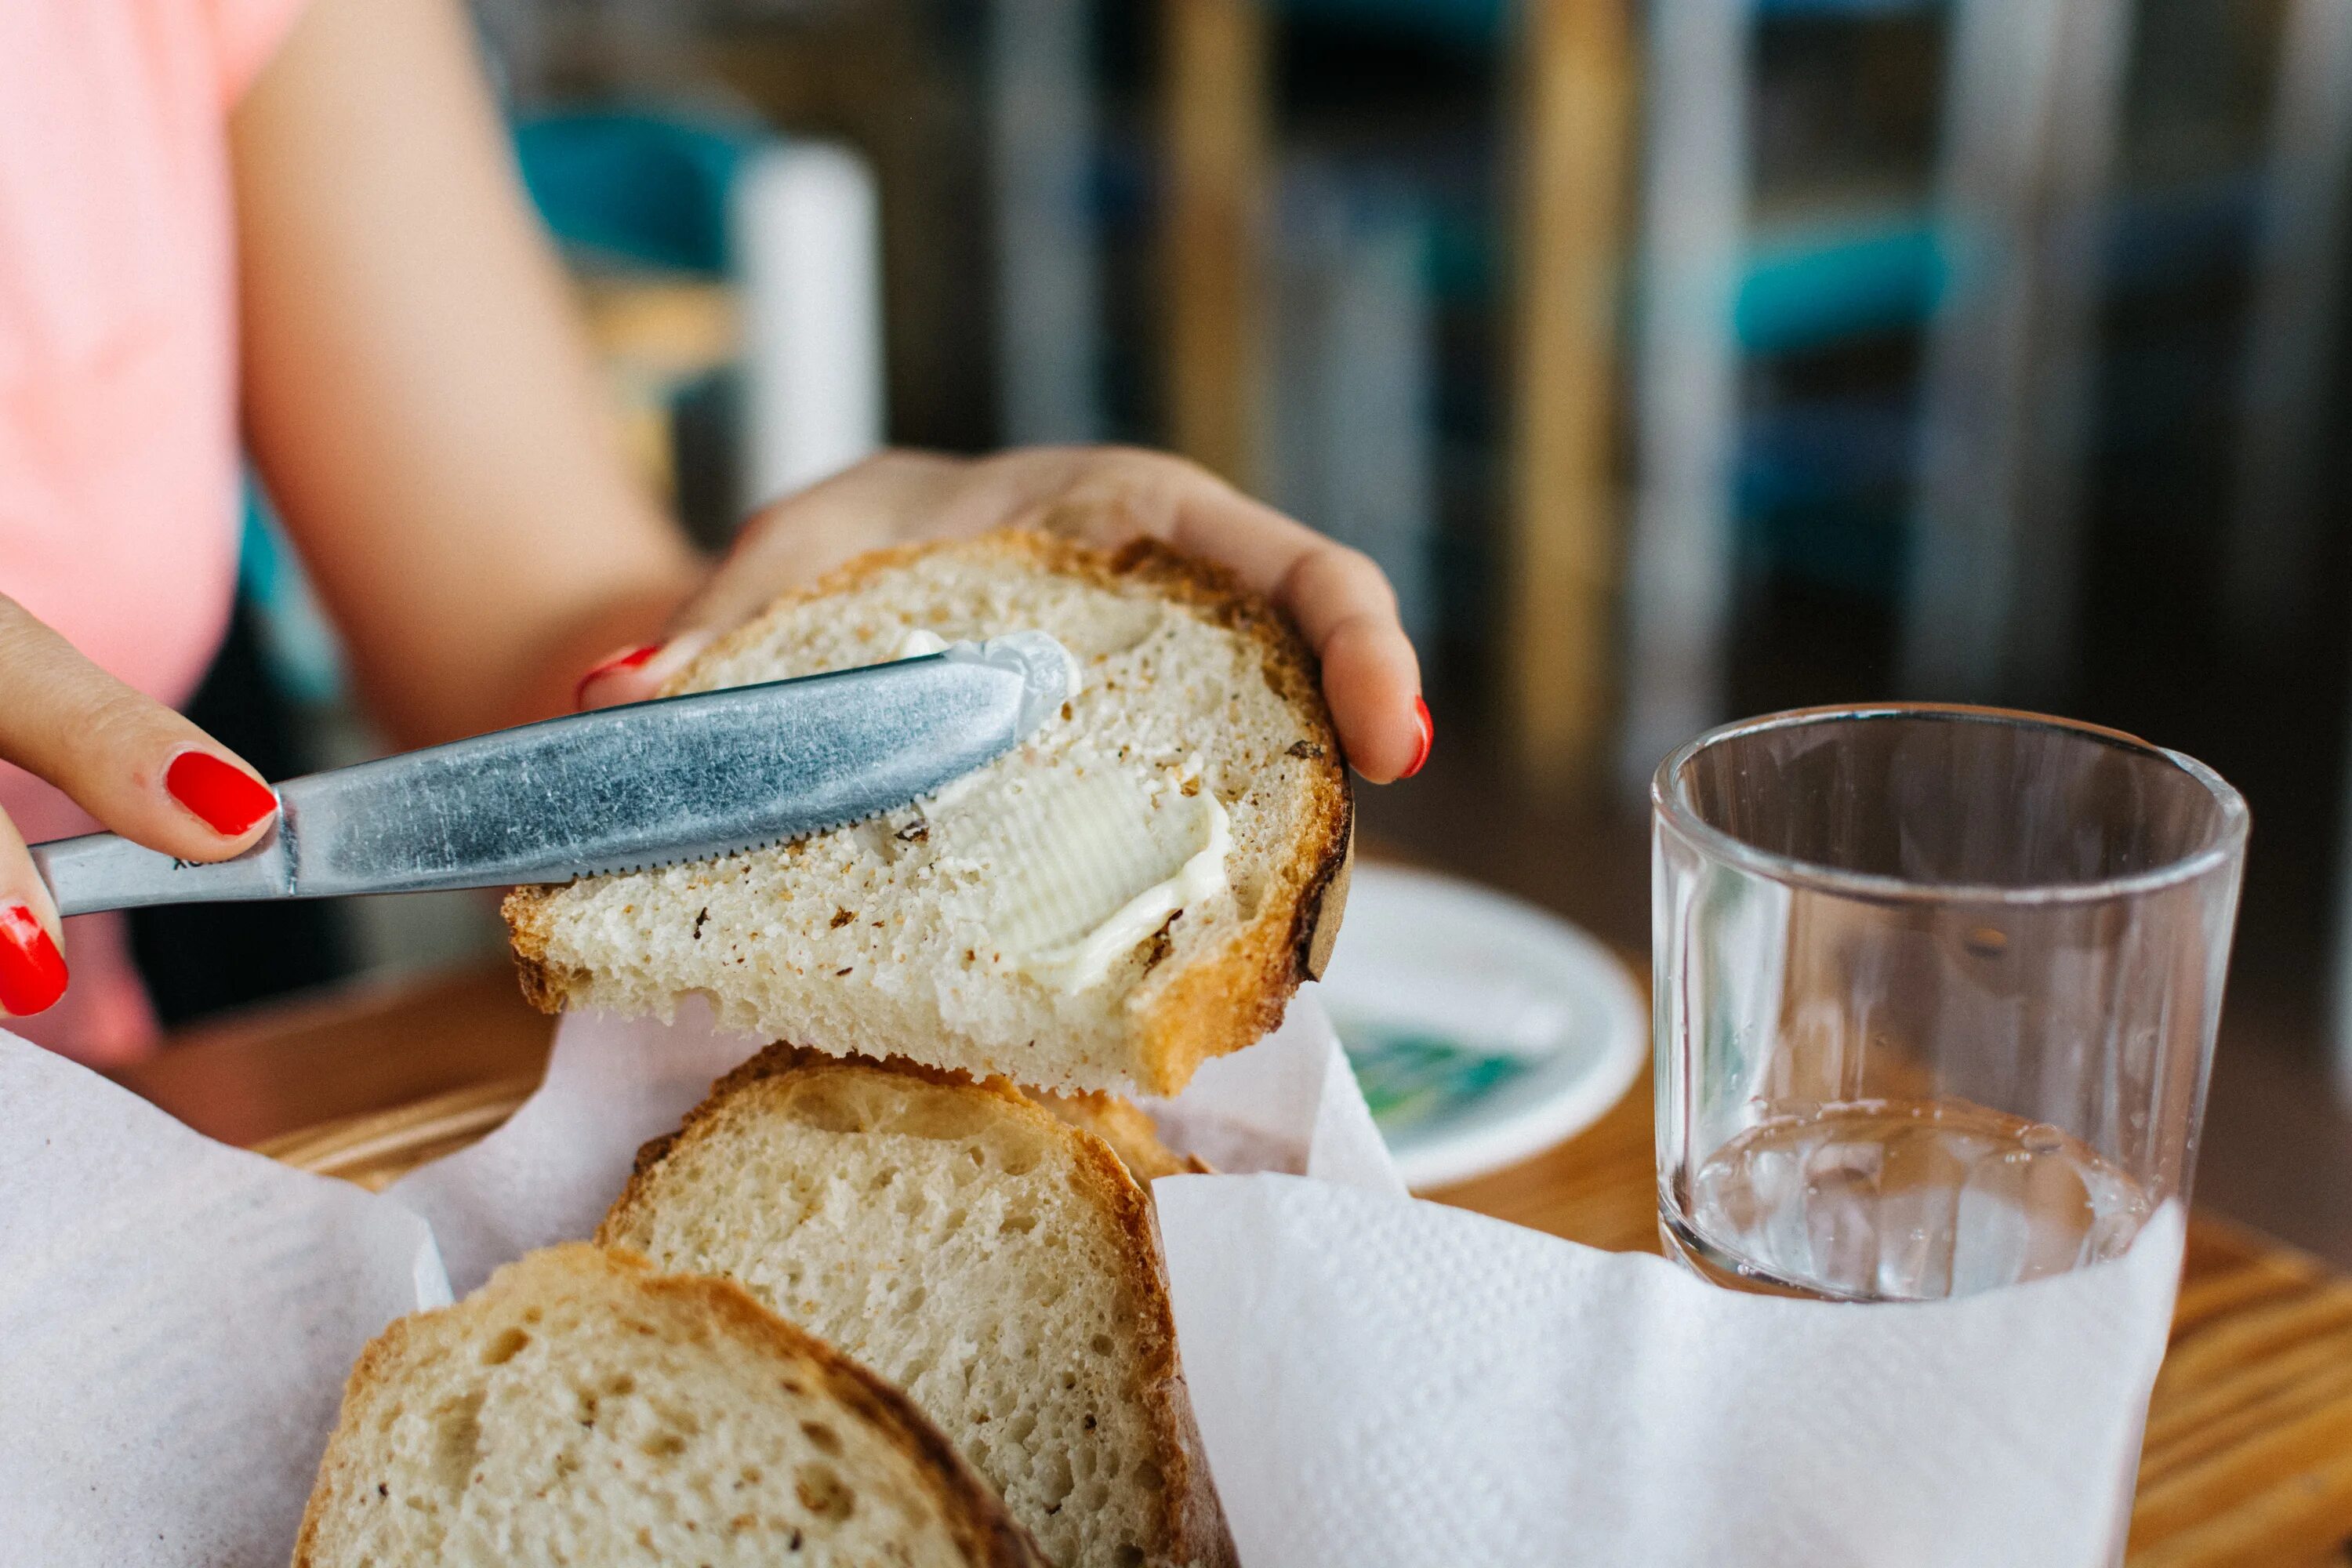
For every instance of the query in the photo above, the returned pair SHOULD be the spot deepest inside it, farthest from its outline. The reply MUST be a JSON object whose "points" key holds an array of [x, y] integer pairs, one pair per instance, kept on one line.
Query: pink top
{"points": [[117, 378]]}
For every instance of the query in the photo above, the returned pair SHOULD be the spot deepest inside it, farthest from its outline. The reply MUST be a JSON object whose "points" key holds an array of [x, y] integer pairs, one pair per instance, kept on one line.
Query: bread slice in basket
{"points": [[997, 1262], [580, 1408], [962, 933]]}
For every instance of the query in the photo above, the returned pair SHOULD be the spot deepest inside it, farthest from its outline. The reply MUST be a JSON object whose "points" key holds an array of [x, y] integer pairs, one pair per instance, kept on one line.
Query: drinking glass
{"points": [[1937, 989]]}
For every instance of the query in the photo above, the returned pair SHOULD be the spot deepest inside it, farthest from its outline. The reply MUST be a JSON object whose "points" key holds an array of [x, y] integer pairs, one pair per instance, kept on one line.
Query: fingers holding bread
{"points": [[796, 541], [1342, 600], [1106, 497]]}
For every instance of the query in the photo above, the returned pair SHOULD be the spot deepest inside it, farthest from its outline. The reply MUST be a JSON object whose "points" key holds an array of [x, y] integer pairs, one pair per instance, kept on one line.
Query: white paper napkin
{"points": [[1288, 1104], [177, 1317], [1377, 1380], [1382, 1381], [550, 1173], [176, 1321]]}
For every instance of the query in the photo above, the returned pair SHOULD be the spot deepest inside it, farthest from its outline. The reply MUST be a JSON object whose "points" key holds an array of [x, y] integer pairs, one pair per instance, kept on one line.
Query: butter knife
{"points": [[651, 783]]}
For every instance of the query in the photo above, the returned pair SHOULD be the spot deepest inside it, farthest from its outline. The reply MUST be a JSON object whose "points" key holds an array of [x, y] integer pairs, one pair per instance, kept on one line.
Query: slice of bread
{"points": [[901, 937], [994, 1262], [580, 1408]]}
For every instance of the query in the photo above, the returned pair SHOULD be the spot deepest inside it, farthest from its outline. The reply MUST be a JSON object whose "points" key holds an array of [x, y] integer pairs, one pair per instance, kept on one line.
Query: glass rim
{"points": [[1671, 807]]}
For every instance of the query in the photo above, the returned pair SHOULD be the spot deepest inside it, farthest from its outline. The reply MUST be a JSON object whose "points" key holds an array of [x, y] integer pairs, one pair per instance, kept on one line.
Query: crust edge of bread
{"points": [[1214, 1006], [1193, 1523], [974, 1514]]}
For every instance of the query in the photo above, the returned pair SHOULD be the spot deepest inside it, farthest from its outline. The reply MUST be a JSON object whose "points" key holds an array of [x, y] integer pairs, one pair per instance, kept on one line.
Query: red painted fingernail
{"points": [[228, 799], [1428, 735], [627, 658], [32, 970]]}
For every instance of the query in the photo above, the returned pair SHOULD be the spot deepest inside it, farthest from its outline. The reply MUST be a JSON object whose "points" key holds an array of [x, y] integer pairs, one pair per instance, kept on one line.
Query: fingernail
{"points": [[627, 658], [32, 970], [229, 800], [1428, 735]]}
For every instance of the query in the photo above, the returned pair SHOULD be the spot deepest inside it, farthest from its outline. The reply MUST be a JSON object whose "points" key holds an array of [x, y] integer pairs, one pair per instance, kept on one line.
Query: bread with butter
{"points": [[580, 1408], [995, 930], [997, 1262]]}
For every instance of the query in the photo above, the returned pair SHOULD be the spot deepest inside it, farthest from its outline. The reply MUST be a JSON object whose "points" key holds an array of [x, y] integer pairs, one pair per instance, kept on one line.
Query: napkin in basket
{"points": [[1377, 1380]]}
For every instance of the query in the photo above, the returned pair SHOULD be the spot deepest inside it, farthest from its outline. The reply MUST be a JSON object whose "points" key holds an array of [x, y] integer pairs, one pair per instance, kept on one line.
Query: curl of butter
{"points": [[1084, 862]]}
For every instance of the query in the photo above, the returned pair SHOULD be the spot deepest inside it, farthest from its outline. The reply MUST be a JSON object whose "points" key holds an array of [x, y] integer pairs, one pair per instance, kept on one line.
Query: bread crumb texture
{"points": [[996, 1262], [882, 939], [578, 1409]]}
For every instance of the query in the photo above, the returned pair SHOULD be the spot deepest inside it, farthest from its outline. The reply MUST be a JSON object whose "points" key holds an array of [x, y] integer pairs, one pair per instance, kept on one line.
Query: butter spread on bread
{"points": [[1139, 887]]}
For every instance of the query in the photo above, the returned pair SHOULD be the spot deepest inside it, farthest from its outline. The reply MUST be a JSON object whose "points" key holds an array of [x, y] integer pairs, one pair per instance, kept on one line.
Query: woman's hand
{"points": [[1105, 496], [127, 760]]}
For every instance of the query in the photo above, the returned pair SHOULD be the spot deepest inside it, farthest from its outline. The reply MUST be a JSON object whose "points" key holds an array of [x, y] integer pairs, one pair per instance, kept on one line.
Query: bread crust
{"points": [[1193, 1522], [1218, 1004], [1130, 1132], [985, 1533]]}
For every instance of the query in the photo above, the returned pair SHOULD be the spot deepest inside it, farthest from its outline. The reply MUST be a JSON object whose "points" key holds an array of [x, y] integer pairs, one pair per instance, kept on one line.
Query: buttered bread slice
{"points": [[994, 1260], [581, 1409], [1138, 888]]}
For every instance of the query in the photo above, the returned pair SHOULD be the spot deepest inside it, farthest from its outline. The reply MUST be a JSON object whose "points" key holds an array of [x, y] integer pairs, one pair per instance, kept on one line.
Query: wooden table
{"points": [[2249, 1452]]}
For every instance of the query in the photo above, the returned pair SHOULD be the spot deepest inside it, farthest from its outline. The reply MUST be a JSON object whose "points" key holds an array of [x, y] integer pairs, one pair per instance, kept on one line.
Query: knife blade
{"points": [[651, 783]]}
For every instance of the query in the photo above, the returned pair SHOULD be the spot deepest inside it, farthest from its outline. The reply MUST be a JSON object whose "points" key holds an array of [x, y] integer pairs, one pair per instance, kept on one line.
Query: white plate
{"points": [[1482, 1029]]}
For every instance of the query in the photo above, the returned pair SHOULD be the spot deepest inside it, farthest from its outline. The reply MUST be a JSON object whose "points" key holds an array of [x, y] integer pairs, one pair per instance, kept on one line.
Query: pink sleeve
{"points": [[246, 33]]}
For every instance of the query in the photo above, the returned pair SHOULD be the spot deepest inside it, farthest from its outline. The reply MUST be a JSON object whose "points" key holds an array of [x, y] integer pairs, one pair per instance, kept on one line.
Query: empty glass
{"points": [[1936, 990]]}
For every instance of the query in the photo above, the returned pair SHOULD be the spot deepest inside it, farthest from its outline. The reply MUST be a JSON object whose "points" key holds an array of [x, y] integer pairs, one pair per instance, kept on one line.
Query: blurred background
{"points": [[1678, 360]]}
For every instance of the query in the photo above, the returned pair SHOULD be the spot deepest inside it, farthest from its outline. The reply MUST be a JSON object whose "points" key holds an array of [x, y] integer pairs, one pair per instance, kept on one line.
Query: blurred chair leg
{"points": [[1349, 442], [2339, 984], [1048, 266], [1569, 143], [2291, 322], [1217, 140], [1695, 202], [2032, 96]]}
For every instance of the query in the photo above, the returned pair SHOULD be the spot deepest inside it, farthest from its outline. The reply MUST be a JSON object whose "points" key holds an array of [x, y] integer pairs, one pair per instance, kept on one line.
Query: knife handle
{"points": [[106, 871]]}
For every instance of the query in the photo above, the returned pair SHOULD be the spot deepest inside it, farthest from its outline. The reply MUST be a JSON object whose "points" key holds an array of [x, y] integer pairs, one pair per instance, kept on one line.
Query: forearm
{"points": [[417, 394]]}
